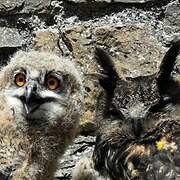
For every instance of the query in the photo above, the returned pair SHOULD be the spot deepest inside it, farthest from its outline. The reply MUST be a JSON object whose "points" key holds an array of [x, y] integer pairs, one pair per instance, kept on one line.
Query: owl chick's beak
{"points": [[31, 99]]}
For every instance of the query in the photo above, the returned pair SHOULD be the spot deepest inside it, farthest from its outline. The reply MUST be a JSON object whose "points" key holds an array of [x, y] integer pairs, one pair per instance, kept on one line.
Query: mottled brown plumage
{"points": [[140, 138], [41, 99]]}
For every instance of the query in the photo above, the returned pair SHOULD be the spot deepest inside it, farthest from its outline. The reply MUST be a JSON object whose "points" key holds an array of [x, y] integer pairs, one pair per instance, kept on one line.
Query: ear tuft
{"points": [[168, 63], [105, 61]]}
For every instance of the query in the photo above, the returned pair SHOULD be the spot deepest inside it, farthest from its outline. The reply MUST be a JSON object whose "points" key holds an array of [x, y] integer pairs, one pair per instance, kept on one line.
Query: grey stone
{"points": [[10, 37], [132, 1], [24, 6], [103, 1], [38, 6], [10, 5], [172, 14], [172, 20], [109, 1], [78, 1], [82, 147], [46, 41], [136, 52]]}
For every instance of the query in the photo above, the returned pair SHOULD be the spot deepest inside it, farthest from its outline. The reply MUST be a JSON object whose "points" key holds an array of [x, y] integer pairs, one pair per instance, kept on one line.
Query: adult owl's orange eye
{"points": [[20, 79], [53, 83]]}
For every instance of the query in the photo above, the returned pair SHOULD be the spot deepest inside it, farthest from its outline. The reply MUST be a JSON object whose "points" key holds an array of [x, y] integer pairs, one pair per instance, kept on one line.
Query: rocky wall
{"points": [[135, 32]]}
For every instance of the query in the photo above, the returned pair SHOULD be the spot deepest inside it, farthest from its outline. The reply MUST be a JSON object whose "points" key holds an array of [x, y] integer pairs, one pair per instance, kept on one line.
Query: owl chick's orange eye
{"points": [[53, 83], [20, 79]]}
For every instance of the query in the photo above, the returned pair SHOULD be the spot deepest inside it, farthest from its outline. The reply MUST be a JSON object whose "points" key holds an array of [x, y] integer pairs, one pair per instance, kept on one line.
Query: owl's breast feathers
{"points": [[12, 142]]}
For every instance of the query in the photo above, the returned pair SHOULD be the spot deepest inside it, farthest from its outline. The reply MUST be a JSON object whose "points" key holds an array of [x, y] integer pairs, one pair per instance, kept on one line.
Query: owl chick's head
{"points": [[42, 87]]}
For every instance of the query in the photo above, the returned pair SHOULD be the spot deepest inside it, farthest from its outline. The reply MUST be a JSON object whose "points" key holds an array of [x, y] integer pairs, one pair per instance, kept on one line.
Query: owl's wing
{"points": [[109, 151], [161, 156], [9, 140], [161, 164], [153, 157]]}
